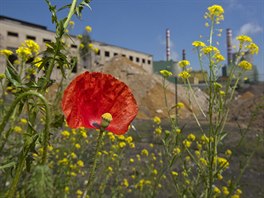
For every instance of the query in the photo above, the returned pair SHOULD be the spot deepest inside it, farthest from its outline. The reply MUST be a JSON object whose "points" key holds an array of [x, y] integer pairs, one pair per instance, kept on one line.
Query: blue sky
{"points": [[141, 24]]}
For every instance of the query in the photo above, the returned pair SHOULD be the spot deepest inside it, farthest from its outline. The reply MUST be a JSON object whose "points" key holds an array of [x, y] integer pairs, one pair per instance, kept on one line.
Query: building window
{"points": [[73, 46], [107, 54], [46, 40], [115, 54], [149, 62], [98, 53], [131, 58], [14, 34], [137, 60], [123, 55], [31, 37], [143, 60]]}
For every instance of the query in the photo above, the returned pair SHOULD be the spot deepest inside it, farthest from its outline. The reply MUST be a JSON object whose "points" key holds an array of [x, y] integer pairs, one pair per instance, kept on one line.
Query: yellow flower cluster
{"points": [[156, 120], [88, 28], [209, 49], [6, 52], [184, 75], [165, 73], [215, 13], [184, 63], [253, 48], [219, 57], [245, 65], [198, 44], [244, 39], [179, 105]]}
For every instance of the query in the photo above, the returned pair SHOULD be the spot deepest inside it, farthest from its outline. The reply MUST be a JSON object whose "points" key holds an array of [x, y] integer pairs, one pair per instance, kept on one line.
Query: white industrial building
{"points": [[13, 32]]}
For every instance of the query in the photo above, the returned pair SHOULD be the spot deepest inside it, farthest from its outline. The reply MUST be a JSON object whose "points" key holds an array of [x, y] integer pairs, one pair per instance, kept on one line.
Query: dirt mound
{"points": [[248, 107], [149, 92]]}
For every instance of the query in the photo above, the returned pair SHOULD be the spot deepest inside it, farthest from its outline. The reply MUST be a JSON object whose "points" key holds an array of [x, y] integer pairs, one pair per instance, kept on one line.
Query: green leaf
{"points": [[8, 165]]}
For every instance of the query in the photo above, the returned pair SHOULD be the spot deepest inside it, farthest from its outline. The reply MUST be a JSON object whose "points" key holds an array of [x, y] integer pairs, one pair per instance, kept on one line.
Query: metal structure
{"points": [[168, 45]]}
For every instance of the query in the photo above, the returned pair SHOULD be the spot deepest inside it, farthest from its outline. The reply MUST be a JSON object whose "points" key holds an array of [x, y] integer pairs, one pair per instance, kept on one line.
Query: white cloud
{"points": [[234, 4], [250, 28]]}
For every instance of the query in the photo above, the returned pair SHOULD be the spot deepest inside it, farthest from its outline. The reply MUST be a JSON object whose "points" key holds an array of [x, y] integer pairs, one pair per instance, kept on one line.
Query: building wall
{"points": [[13, 32]]}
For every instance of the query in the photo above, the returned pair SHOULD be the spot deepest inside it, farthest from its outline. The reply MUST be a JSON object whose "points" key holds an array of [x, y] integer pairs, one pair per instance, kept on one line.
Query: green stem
{"points": [[96, 158], [46, 130], [70, 14], [12, 190]]}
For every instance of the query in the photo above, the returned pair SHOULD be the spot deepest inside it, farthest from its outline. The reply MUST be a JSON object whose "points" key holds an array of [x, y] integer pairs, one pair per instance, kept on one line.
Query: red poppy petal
{"points": [[90, 95]]}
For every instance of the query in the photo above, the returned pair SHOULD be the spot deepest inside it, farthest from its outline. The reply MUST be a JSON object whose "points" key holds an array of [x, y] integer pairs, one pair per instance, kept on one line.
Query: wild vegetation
{"points": [[94, 151]]}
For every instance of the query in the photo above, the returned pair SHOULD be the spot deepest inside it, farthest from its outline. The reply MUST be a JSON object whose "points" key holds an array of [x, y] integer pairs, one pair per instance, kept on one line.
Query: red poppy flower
{"points": [[90, 95]]}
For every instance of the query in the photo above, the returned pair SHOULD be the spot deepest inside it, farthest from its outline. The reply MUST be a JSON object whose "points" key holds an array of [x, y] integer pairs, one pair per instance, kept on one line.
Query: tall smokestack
{"points": [[167, 44], [229, 46], [183, 54]]}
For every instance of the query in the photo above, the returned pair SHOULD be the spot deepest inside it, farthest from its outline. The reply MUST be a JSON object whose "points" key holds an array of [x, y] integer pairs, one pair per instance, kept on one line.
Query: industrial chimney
{"points": [[167, 44], [229, 46], [183, 54]]}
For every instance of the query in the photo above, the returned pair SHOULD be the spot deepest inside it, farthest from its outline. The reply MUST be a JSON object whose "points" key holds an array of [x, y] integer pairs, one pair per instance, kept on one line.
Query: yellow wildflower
{"points": [[228, 152], [245, 65], [81, 46], [184, 74], [178, 131], [32, 45], [66, 189], [73, 155], [144, 152], [156, 120], [235, 196], [155, 171], [222, 93], [203, 161], [125, 183], [176, 151], [187, 143], [110, 169], [132, 145], [174, 173], [219, 57], [216, 10], [2, 76], [80, 163], [198, 44], [24, 53], [253, 48], [79, 192], [217, 190], [37, 61], [244, 39], [78, 146], [191, 137], [183, 63], [88, 28], [209, 49], [131, 160], [165, 73], [219, 176], [238, 191], [17, 129], [23, 121], [122, 144], [225, 190], [129, 139], [158, 130], [71, 23], [6, 52], [65, 133], [179, 105]]}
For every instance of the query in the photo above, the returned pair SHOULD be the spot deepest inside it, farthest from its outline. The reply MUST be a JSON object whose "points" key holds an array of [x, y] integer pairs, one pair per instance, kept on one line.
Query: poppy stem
{"points": [[96, 158]]}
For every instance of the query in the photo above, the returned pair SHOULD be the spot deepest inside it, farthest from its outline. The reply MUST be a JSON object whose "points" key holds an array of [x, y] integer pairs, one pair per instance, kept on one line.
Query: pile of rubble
{"points": [[149, 91]]}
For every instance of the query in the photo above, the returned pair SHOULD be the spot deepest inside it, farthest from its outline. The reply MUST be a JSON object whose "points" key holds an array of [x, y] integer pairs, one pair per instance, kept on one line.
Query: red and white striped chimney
{"points": [[167, 45], [229, 46]]}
